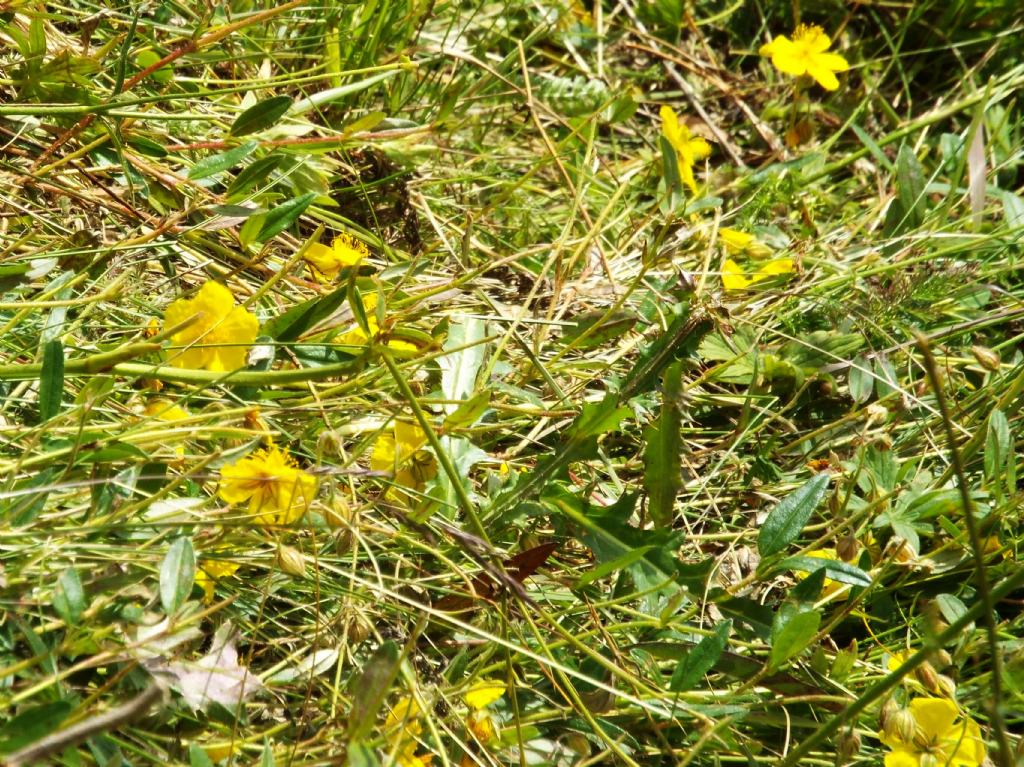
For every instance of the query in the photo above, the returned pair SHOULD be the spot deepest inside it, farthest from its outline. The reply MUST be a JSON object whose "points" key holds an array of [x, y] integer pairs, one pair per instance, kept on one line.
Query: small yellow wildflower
{"points": [[165, 410], [806, 54], [327, 262], [403, 722], [277, 490], [219, 339], [210, 571], [937, 738], [358, 337], [401, 451], [480, 722], [734, 278], [689, 148], [743, 243]]}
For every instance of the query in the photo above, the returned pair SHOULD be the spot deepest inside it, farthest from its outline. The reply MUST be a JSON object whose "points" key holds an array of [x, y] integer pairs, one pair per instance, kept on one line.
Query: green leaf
{"points": [[284, 215], [835, 569], [32, 724], [860, 380], [252, 175], [756, 615], [218, 163], [297, 320], [998, 444], [670, 166], [663, 450], [51, 380], [197, 756], [701, 659], [598, 328], [951, 607], [260, 116], [361, 755], [792, 630], [597, 418], [146, 59], [681, 339], [788, 518], [267, 757], [910, 186], [69, 596], [809, 589], [468, 410], [371, 688], [177, 574]]}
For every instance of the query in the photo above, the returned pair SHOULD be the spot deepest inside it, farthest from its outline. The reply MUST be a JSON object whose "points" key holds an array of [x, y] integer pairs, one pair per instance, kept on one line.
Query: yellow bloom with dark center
{"points": [[400, 451], [277, 491], [938, 740], [689, 148], [219, 338], [806, 54], [327, 262]]}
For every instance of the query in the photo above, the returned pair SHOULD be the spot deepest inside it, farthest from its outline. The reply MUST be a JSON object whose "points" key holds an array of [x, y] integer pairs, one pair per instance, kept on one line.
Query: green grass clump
{"points": [[564, 434]]}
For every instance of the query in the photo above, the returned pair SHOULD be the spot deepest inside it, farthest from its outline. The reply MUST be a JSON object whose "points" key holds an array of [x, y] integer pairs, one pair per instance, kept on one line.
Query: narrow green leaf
{"points": [[299, 319], [69, 596], [597, 418], [267, 757], [371, 688], [284, 215], [361, 755], [177, 574], [701, 659], [835, 569], [910, 188], [663, 450], [252, 175], [788, 518], [792, 630], [197, 756], [598, 328], [260, 116], [809, 589], [998, 444], [51, 380], [218, 163]]}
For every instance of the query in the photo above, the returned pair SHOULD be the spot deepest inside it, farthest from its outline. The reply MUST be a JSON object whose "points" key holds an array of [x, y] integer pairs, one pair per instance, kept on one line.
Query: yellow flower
{"points": [[210, 571], [401, 451], [479, 722], [743, 243], [219, 339], [326, 262], [403, 722], [358, 337], [806, 54], [734, 278], [830, 587], [937, 739], [277, 490], [689, 148]]}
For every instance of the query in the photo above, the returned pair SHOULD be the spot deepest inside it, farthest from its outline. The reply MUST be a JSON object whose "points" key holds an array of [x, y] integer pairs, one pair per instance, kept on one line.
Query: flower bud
{"points": [[290, 560], [987, 358], [847, 548], [927, 676], [901, 726], [847, 746], [885, 715]]}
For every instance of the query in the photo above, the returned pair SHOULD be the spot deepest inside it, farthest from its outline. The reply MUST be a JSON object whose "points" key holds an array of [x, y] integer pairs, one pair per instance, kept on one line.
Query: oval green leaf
{"points": [[177, 574], [218, 163], [284, 215], [786, 520], [260, 116]]}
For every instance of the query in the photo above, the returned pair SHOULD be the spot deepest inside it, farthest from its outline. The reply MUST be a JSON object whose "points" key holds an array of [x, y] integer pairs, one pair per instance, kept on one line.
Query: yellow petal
{"points": [[903, 757], [734, 240], [214, 300], [790, 58], [776, 266], [769, 49], [484, 694], [934, 716], [699, 148], [670, 127], [824, 77], [733, 277]]}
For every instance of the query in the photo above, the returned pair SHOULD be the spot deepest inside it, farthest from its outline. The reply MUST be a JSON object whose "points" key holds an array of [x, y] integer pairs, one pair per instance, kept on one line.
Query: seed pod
{"points": [[987, 358], [290, 560], [848, 746], [847, 548]]}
